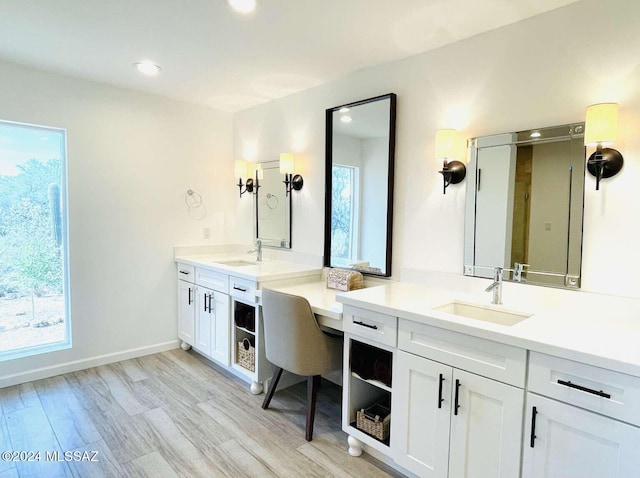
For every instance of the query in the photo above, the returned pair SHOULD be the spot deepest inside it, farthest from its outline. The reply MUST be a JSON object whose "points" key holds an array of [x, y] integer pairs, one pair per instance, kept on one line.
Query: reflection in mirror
{"points": [[273, 207], [524, 209], [359, 185]]}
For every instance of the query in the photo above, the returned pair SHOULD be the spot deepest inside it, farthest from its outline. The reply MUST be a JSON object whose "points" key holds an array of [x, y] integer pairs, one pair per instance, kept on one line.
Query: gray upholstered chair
{"points": [[294, 342]]}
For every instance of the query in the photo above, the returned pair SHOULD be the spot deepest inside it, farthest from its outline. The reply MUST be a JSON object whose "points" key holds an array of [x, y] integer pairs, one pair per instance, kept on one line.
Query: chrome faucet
{"points": [[518, 269], [258, 250], [496, 287]]}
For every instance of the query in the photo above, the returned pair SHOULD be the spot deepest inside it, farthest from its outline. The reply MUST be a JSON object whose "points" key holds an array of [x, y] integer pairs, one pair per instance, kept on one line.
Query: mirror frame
{"points": [[574, 131], [288, 203], [390, 178]]}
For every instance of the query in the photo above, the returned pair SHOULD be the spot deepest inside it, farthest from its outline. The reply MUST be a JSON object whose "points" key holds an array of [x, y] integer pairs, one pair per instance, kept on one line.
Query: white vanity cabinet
{"points": [[186, 305], [448, 420], [575, 421], [203, 312], [369, 355]]}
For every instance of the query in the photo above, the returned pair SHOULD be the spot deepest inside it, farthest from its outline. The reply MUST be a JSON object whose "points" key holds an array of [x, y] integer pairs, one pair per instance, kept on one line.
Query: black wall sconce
{"points": [[240, 170], [601, 129], [452, 171], [291, 181]]}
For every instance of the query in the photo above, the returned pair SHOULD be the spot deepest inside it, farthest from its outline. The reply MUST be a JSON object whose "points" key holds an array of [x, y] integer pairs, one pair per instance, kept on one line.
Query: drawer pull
{"points": [[440, 399], [599, 393], [456, 405], [358, 322], [184, 272], [532, 439], [235, 287]]}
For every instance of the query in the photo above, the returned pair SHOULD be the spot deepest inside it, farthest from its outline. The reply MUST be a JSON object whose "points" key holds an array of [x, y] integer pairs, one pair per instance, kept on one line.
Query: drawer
{"points": [[381, 328], [609, 393], [490, 359], [212, 280], [186, 272], [243, 289]]}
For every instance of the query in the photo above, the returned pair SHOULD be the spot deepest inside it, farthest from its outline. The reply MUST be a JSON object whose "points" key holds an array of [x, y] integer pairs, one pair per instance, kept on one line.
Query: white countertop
{"points": [[599, 330], [267, 270]]}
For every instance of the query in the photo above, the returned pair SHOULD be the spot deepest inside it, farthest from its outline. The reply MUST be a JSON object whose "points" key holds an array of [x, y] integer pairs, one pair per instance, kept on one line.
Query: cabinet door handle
{"points": [[206, 296], [456, 405], [599, 393], [190, 301], [210, 297], [357, 322], [235, 287], [440, 399], [533, 437]]}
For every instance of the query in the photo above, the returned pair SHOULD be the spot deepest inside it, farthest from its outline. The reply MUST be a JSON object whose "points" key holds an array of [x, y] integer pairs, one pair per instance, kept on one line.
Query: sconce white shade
{"points": [[259, 171], [240, 168], [286, 163], [601, 124], [445, 143]]}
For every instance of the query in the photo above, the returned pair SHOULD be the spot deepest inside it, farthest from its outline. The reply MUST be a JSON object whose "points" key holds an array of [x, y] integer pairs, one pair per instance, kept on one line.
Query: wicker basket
{"points": [[246, 355], [375, 421]]}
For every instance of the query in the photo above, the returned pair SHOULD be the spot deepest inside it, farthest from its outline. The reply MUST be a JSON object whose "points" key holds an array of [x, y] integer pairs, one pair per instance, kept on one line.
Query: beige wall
{"points": [[131, 157], [540, 72]]}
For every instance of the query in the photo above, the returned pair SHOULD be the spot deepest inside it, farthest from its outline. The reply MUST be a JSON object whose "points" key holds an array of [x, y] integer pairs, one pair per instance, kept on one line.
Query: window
{"points": [[34, 291], [344, 215]]}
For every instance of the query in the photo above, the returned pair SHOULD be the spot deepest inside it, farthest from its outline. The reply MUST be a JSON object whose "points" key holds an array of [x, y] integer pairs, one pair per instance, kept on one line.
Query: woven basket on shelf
{"points": [[246, 355], [377, 425]]}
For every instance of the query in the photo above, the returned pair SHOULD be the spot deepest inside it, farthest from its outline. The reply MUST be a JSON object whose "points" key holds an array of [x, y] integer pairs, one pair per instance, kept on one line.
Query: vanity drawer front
{"points": [[609, 393], [484, 357], [375, 326], [212, 280], [243, 289], [186, 272]]}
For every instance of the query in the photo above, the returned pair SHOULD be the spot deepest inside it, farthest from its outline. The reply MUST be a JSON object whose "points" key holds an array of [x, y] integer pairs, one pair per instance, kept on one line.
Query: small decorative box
{"points": [[342, 279]]}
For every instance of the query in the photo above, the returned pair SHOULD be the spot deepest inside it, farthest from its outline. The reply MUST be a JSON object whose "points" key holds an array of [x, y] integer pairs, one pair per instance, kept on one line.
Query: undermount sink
{"points": [[485, 313], [236, 263]]}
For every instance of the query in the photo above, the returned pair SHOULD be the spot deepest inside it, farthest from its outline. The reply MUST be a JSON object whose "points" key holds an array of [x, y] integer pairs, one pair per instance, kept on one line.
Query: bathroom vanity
{"points": [[474, 384], [219, 311]]}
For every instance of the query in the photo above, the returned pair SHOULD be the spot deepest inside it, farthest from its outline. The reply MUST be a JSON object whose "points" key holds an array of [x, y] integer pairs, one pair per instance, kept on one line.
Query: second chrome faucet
{"points": [[496, 287]]}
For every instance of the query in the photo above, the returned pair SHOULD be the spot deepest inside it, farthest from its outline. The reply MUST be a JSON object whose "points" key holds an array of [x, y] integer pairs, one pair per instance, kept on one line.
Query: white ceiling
{"points": [[213, 56]]}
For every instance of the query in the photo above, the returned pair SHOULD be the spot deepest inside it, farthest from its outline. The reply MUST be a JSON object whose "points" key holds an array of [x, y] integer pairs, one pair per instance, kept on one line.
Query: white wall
{"points": [[131, 157], [540, 72]]}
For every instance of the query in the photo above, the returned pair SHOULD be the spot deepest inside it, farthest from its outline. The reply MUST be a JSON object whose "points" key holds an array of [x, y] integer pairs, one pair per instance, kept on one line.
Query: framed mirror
{"points": [[273, 207], [524, 205], [360, 148]]}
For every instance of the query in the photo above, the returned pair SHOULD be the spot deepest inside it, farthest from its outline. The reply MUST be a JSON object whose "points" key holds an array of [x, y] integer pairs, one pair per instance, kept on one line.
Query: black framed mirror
{"points": [[360, 153]]}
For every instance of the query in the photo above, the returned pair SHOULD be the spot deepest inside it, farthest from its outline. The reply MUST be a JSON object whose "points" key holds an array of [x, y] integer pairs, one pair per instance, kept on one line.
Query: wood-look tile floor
{"points": [[172, 414]]}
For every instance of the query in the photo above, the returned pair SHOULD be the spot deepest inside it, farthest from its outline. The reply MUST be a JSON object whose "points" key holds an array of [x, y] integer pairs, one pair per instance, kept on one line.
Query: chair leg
{"points": [[313, 384], [277, 373]]}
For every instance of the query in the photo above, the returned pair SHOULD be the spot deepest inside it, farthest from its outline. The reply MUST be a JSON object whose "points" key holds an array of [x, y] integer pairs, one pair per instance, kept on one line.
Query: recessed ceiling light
{"points": [[243, 6], [346, 119], [147, 68], [535, 134], [343, 110]]}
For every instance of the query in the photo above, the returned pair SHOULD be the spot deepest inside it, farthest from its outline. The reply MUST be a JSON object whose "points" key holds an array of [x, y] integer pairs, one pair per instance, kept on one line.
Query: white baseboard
{"points": [[52, 371]]}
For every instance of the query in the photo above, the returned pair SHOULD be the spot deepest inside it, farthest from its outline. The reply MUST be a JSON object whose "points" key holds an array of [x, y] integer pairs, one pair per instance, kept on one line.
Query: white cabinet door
{"points": [[204, 319], [420, 420], [186, 311], [486, 428], [574, 443], [220, 328]]}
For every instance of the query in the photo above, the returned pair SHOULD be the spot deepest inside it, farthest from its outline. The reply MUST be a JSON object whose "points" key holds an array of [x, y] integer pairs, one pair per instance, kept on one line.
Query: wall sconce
{"points": [[240, 170], [453, 171], [601, 129], [291, 181]]}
